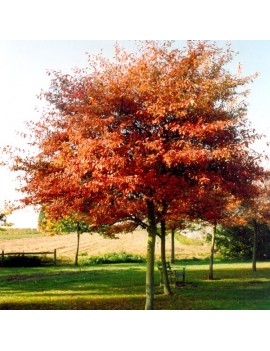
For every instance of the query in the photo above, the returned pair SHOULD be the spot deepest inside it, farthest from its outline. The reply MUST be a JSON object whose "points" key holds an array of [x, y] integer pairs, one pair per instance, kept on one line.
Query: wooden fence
{"points": [[28, 253]]}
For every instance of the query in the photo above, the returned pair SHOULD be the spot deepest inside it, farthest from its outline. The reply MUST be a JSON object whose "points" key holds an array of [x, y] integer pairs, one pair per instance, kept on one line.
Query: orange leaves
{"points": [[160, 123], [257, 207], [187, 156]]}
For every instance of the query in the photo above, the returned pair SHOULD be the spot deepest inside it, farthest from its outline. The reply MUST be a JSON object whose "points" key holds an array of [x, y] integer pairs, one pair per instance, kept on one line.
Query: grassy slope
{"points": [[122, 286]]}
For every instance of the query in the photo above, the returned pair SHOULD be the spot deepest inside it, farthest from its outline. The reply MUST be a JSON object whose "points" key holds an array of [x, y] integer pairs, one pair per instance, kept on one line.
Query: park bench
{"points": [[22, 254], [176, 277]]}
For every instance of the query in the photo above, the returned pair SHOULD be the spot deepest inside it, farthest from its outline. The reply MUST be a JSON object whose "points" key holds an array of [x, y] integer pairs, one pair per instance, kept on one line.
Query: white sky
{"points": [[23, 66]]}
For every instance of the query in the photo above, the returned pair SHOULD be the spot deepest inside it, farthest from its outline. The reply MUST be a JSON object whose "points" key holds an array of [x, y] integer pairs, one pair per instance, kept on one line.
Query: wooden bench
{"points": [[28, 253], [176, 277]]}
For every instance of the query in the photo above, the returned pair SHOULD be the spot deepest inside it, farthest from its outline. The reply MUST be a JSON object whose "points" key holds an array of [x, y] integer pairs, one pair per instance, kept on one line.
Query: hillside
{"points": [[94, 244]]}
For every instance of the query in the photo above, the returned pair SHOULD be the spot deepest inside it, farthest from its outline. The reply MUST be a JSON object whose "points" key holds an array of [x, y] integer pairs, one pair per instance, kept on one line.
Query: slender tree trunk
{"points": [[150, 265], [254, 251], [211, 264], [166, 284], [172, 247], [77, 249]]}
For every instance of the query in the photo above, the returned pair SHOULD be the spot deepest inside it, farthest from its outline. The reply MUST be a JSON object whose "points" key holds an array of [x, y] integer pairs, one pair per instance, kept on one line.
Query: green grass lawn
{"points": [[122, 286]]}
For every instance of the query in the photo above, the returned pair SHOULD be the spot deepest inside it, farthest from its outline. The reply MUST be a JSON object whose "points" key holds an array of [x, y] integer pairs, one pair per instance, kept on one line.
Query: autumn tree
{"points": [[221, 207], [256, 211], [131, 140], [173, 226], [169, 220], [45, 224], [252, 214], [70, 224]]}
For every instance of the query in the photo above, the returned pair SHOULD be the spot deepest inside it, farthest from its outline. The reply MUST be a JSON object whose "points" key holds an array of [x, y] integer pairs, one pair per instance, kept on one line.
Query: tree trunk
{"points": [[166, 284], [211, 264], [254, 251], [172, 247], [150, 265], [77, 249]]}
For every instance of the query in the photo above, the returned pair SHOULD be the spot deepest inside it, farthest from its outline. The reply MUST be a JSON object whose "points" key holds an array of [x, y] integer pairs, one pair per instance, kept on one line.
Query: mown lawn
{"points": [[122, 286]]}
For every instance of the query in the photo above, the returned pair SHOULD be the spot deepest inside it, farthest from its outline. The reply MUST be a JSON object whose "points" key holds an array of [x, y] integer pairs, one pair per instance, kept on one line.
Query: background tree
{"points": [[70, 224], [3, 219], [162, 235], [219, 207], [173, 226], [127, 135], [45, 224], [236, 242], [256, 211]]}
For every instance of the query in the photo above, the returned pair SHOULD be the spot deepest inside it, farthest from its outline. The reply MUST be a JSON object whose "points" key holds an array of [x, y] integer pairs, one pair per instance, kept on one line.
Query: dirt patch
{"points": [[38, 276]]}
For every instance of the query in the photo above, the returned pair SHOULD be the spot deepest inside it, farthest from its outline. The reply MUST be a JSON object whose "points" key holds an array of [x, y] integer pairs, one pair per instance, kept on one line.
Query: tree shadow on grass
{"points": [[124, 289], [98, 284], [123, 303]]}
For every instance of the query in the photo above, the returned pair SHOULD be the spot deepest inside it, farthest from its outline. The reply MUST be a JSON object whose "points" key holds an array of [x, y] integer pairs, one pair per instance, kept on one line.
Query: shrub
{"points": [[115, 257], [24, 261], [185, 240], [84, 253]]}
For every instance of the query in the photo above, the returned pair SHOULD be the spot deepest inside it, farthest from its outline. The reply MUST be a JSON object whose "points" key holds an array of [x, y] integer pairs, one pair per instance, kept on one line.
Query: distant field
{"points": [[19, 233], [94, 244]]}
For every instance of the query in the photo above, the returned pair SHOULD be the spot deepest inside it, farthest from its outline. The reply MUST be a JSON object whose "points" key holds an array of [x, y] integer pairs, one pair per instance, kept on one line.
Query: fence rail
{"points": [[3, 254]]}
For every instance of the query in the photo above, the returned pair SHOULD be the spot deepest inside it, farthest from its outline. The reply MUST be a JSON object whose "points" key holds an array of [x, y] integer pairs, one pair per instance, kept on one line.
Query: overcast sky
{"points": [[23, 66]]}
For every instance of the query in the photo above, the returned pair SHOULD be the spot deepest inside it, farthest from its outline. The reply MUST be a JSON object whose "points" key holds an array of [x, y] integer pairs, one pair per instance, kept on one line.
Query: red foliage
{"points": [[161, 124]]}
